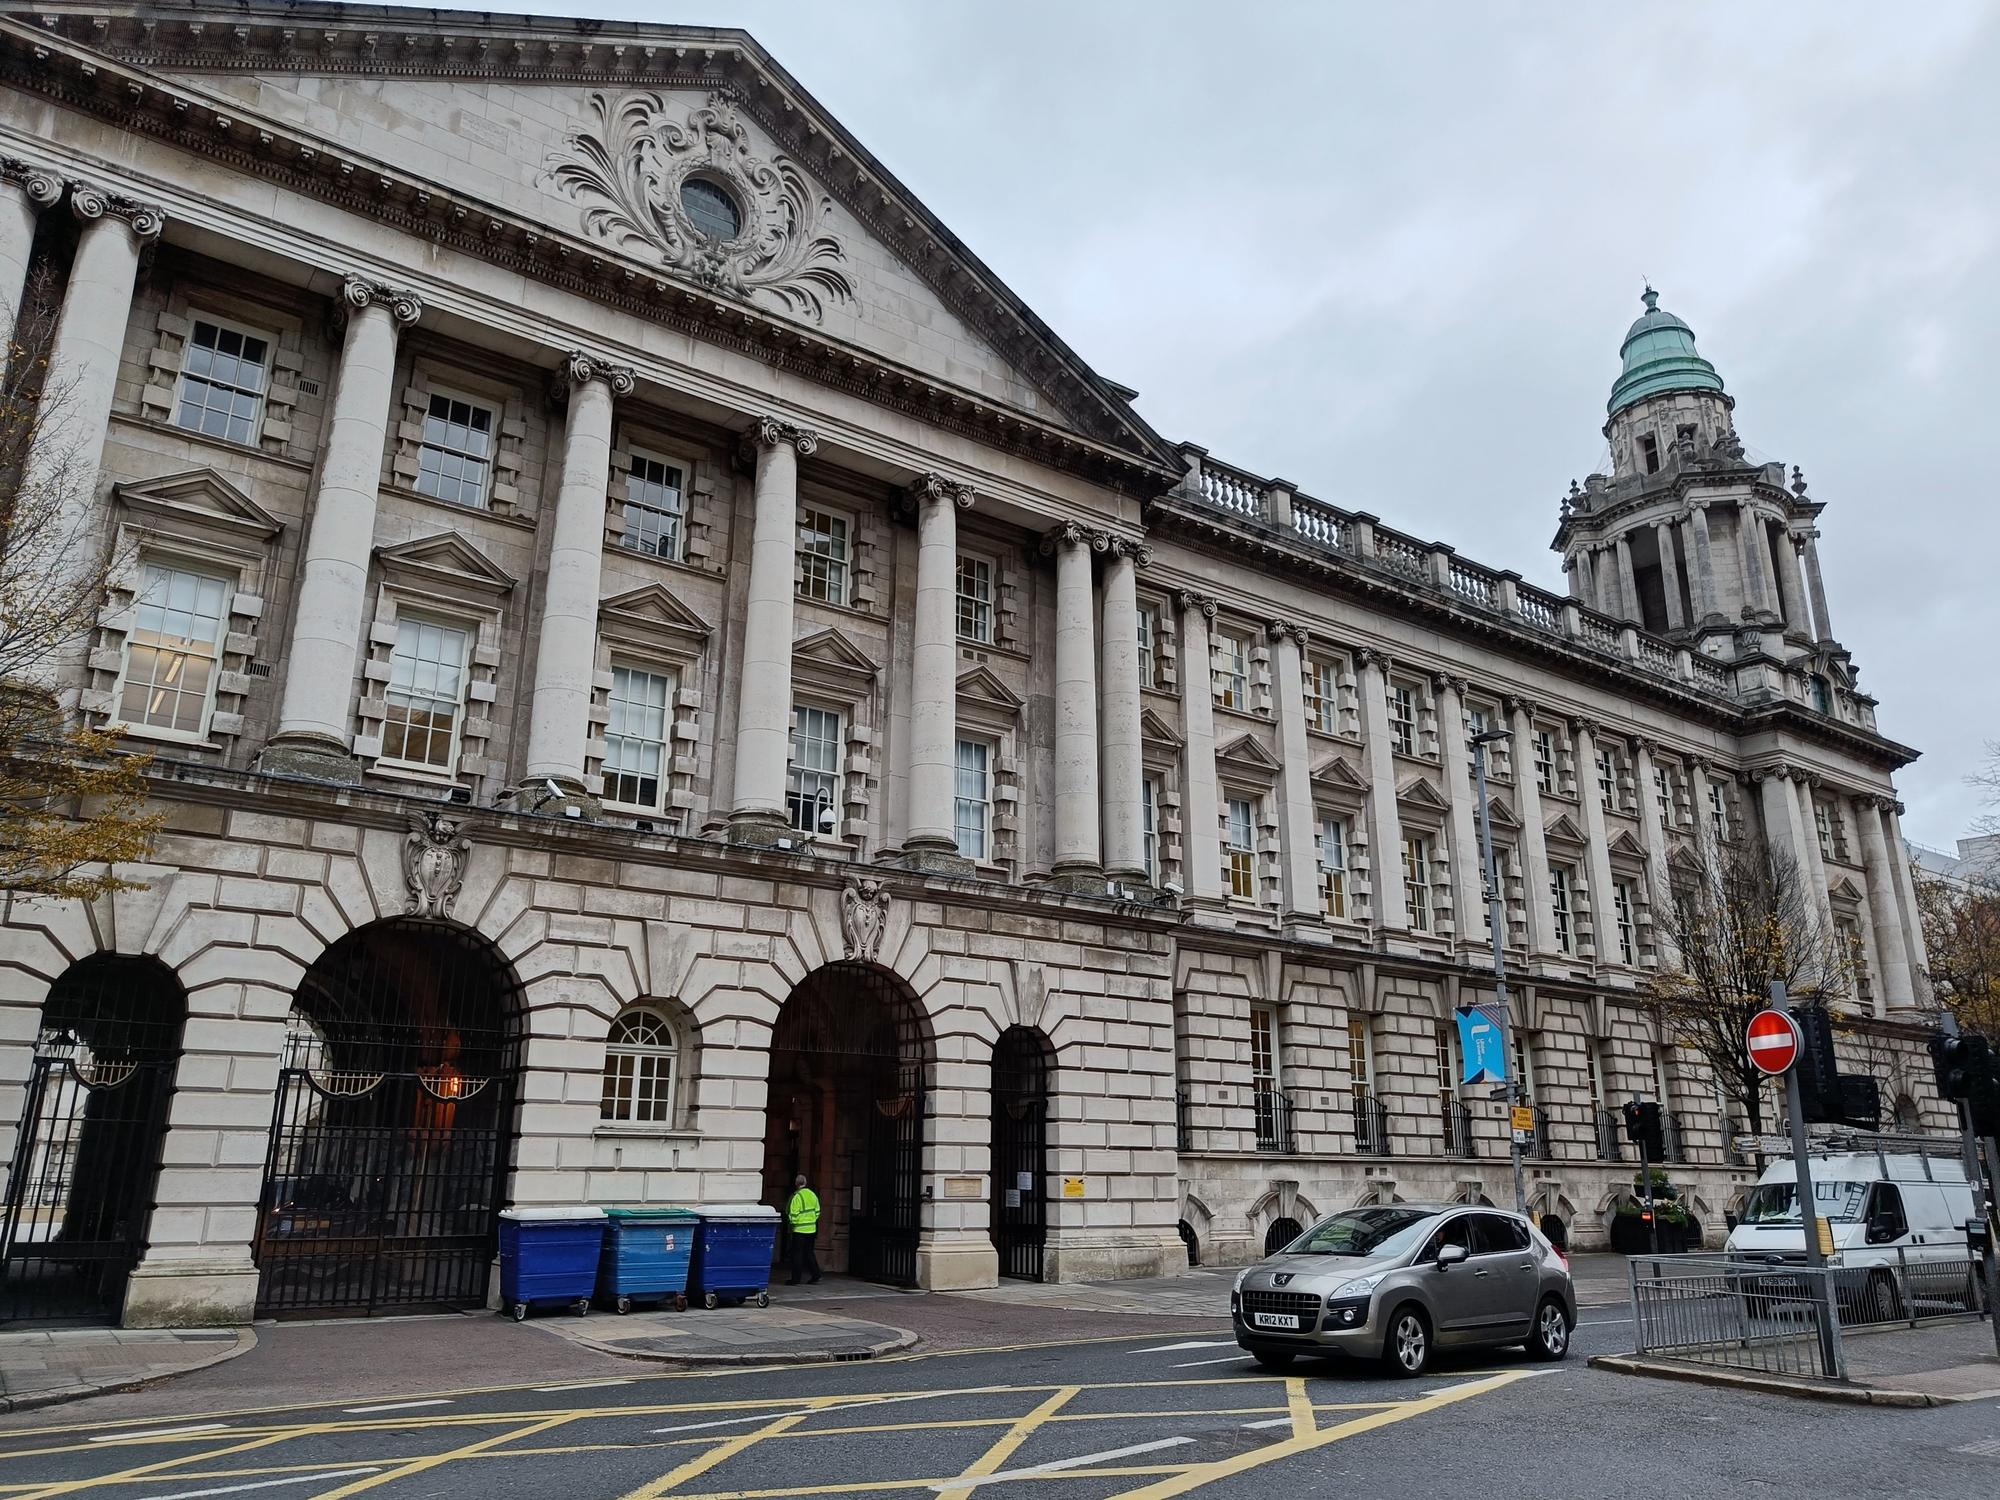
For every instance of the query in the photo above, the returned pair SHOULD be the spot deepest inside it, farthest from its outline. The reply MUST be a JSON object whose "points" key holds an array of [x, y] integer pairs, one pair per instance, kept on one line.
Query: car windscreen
{"points": [[1364, 1233], [1778, 1202]]}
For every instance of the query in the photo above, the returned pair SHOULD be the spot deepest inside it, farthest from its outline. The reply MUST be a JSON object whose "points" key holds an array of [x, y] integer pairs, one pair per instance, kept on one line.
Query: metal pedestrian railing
{"points": [[1371, 1126], [1610, 1141], [1274, 1123], [1778, 1316], [1183, 1121], [1458, 1136]]}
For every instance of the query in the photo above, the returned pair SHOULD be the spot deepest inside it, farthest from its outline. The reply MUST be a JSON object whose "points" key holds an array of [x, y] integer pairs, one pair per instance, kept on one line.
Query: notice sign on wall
{"points": [[964, 1187], [1072, 1187]]}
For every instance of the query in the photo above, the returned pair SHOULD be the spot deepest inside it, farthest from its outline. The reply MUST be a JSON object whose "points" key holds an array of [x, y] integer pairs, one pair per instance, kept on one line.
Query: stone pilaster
{"points": [[1906, 897], [1885, 916], [1670, 574], [932, 841], [1628, 585], [764, 701], [1385, 820], [1703, 592], [559, 722], [1653, 834], [1809, 546], [315, 719], [1300, 864], [1534, 839], [1755, 557], [1468, 883], [1811, 857], [1124, 766], [1079, 858], [1201, 833], [1597, 838]]}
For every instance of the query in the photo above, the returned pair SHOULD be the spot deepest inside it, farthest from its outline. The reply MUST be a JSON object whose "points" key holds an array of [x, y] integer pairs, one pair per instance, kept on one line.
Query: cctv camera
{"points": [[1171, 889], [827, 820], [554, 790]]}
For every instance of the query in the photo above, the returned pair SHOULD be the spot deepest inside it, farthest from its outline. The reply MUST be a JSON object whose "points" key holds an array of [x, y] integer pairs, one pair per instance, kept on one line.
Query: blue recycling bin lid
{"points": [[572, 1214], [736, 1213], [653, 1213]]}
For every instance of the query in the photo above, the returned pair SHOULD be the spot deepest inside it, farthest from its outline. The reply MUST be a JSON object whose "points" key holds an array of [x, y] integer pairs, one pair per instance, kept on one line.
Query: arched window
{"points": [[642, 1057]]}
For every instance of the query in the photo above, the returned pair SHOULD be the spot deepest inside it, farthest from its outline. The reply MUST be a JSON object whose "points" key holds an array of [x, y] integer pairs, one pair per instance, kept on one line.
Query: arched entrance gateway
{"points": [[389, 1150], [850, 1056], [1021, 1068], [80, 1186]]}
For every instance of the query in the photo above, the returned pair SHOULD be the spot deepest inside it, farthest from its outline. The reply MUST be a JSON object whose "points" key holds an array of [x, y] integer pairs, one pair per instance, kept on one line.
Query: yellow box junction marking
{"points": [[990, 1461]]}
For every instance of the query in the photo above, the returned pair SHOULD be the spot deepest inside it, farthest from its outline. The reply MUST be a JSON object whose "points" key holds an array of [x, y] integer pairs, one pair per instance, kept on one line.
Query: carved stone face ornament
{"points": [[628, 165], [434, 856], [864, 912]]}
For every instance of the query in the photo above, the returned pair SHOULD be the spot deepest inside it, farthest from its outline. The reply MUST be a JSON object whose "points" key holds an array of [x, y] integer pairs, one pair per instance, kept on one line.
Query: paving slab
{"points": [[1935, 1365], [42, 1367], [733, 1335]]}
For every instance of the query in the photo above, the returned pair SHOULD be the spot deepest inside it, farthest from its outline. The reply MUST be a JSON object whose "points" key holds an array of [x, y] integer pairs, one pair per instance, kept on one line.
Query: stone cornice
{"points": [[97, 60]]}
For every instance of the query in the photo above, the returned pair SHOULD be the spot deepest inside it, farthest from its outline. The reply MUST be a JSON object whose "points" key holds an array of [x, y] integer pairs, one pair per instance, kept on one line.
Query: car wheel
{"points": [[1550, 1338], [1407, 1349], [1274, 1359]]}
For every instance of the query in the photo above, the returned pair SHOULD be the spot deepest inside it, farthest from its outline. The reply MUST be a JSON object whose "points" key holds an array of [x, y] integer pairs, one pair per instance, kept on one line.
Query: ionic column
{"points": [[1534, 838], [1124, 764], [934, 671], [1201, 830], [764, 695], [1300, 863], [566, 659], [1885, 915], [1906, 896], [1597, 837], [1468, 888], [314, 722], [1755, 557], [1782, 833], [1653, 835], [1809, 544], [1078, 851], [1670, 575], [1703, 593], [24, 192], [1792, 586], [1628, 585], [1815, 859], [1586, 577], [1385, 819]]}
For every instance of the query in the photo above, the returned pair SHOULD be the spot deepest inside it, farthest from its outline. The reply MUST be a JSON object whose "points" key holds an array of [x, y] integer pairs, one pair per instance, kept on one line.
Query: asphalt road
{"points": [[1135, 1416]]}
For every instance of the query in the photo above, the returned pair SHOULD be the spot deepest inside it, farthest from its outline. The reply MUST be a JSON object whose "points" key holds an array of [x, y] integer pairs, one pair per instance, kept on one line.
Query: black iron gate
{"points": [[1020, 1151], [79, 1196], [886, 1229], [389, 1144]]}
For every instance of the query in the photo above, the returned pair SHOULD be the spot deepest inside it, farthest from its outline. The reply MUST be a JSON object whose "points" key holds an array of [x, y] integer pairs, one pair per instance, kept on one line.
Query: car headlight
{"points": [[1360, 1286]]}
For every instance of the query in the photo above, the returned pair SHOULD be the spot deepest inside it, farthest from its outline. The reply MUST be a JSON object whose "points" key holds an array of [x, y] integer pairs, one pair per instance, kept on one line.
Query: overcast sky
{"points": [[1388, 252]]}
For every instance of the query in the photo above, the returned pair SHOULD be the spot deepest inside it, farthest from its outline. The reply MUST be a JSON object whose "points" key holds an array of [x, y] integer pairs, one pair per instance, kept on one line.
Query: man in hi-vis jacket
{"points": [[802, 1216]]}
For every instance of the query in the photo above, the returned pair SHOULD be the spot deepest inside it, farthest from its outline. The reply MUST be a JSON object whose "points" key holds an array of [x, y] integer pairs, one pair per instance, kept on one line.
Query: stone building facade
{"points": [[662, 672]]}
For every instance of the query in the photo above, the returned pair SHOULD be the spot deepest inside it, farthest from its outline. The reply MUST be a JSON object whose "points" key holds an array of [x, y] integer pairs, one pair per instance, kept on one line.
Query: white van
{"points": [[1898, 1216]]}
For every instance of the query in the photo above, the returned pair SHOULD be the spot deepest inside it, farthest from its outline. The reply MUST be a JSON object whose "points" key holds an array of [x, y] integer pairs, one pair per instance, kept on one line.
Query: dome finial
{"points": [[1650, 297]]}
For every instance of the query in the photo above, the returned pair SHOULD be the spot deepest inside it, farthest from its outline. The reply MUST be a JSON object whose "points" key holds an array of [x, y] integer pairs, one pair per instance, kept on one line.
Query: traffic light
{"points": [[1644, 1127], [1819, 1070], [1860, 1101], [1968, 1073]]}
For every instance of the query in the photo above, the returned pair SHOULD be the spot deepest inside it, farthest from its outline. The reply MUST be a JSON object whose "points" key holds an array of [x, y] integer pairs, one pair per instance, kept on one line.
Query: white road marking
{"points": [[1481, 1374], [263, 1484], [1227, 1359], [1273, 1422], [581, 1385], [158, 1432], [846, 1405], [1190, 1344], [362, 1411], [1082, 1460], [755, 1416]]}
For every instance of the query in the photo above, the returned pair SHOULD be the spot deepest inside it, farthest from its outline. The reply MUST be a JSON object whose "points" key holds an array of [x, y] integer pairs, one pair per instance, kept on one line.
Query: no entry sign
{"points": [[1773, 1039]]}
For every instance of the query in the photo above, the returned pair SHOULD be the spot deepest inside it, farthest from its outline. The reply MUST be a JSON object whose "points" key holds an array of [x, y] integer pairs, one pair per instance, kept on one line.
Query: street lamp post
{"points": [[1496, 918]]}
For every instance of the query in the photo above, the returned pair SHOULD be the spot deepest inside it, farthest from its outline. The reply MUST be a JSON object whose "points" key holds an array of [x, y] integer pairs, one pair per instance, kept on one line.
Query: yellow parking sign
{"points": [[1524, 1117]]}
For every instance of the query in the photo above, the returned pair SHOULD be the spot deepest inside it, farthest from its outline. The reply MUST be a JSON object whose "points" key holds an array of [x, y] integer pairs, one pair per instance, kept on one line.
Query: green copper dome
{"points": [[1659, 356]]}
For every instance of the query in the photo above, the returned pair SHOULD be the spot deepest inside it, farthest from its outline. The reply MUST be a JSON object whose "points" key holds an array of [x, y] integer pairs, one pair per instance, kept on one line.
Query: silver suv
{"points": [[1399, 1280]]}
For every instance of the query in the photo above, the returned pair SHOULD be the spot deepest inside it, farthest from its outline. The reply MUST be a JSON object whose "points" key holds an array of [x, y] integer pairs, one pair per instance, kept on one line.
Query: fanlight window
{"points": [[641, 1069]]}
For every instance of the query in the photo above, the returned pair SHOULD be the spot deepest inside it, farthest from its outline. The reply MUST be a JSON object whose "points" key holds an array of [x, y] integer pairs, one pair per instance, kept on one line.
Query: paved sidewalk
{"points": [[780, 1334], [44, 1367], [1935, 1365]]}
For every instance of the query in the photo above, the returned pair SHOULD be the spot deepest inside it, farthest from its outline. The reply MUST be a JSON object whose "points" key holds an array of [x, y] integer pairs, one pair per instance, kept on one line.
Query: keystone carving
{"points": [[626, 167], [864, 914], [434, 856]]}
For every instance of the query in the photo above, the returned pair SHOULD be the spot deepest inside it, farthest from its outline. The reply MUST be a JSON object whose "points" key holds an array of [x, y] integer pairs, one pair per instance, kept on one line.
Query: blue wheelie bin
{"points": [[732, 1253], [646, 1255], [549, 1255]]}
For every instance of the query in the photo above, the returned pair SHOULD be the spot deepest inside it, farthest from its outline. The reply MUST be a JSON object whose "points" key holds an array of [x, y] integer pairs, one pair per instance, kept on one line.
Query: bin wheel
{"points": [[581, 1306], [624, 1304], [710, 1301], [763, 1299], [520, 1311], [680, 1302]]}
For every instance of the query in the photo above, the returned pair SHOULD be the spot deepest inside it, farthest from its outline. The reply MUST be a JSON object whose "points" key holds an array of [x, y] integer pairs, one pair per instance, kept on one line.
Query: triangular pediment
{"points": [[1625, 844], [653, 613], [200, 497], [1502, 812], [1334, 771], [982, 688], [1421, 791], [1564, 828], [555, 148], [1247, 753], [448, 559], [1845, 888], [1683, 860], [832, 648], [1156, 730]]}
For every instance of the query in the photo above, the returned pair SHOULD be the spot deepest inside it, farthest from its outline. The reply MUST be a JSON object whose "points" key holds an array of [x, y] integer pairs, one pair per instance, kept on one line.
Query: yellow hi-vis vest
{"points": [[802, 1213]]}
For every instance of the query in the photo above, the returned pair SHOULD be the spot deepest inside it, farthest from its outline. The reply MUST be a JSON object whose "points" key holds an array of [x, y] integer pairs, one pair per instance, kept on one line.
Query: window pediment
{"points": [[1501, 813], [652, 616], [447, 559], [1154, 730], [1246, 755], [1626, 845], [831, 661], [1334, 771], [984, 700], [1421, 791], [200, 499], [1564, 830]]}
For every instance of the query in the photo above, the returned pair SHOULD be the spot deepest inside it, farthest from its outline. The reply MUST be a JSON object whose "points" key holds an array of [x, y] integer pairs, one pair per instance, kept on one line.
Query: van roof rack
{"points": [[1845, 1140]]}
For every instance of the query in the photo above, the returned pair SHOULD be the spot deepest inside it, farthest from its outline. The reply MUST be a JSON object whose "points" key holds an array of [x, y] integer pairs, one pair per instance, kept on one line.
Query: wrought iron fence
{"points": [[1183, 1121], [1610, 1136], [1371, 1126], [1458, 1137], [1670, 1138], [1779, 1316], [1274, 1123]]}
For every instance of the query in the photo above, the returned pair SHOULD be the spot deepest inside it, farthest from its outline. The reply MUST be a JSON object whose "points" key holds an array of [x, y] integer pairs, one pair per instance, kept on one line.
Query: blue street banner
{"points": [[1479, 1044]]}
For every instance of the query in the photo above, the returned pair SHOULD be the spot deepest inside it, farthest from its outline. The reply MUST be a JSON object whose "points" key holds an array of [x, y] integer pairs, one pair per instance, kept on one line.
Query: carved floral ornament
{"points": [[434, 856], [627, 164]]}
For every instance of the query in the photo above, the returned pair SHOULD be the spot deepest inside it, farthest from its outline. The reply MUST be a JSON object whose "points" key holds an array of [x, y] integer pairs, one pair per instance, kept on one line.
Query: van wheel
{"points": [[1550, 1337], [1274, 1359], [1883, 1304], [1406, 1350]]}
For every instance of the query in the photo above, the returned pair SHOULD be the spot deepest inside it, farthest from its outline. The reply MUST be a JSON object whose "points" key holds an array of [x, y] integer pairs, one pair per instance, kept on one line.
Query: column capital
{"points": [[933, 487], [90, 202], [1444, 682], [1287, 630], [1073, 534], [357, 292], [1579, 724], [1140, 554], [579, 368], [38, 185], [1370, 656], [1516, 704], [1198, 603], [1641, 745], [769, 432]]}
